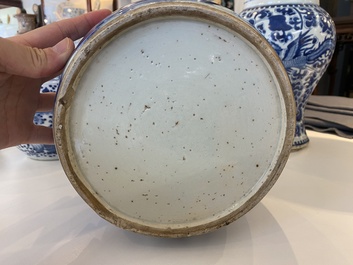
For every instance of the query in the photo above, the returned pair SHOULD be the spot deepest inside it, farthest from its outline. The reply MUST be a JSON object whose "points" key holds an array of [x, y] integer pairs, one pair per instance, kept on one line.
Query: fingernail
{"points": [[62, 46]]}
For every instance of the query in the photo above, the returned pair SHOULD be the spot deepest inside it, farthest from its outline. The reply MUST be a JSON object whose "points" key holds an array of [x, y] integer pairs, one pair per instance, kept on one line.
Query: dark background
{"points": [[338, 79]]}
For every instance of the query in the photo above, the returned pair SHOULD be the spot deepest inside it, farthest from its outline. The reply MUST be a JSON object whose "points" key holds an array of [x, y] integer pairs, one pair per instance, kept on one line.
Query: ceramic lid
{"points": [[174, 118], [255, 3]]}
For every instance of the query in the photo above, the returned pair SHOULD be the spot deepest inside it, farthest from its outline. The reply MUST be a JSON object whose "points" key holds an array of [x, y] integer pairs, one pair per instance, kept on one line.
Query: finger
{"points": [[46, 102], [73, 28], [40, 135], [25, 61]]}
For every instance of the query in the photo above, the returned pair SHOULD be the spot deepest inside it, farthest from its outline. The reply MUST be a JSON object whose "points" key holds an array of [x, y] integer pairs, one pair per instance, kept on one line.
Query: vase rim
{"points": [[256, 3]]}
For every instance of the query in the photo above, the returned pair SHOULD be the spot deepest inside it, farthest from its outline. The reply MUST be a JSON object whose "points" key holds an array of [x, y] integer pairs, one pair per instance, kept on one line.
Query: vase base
{"points": [[44, 152], [300, 144]]}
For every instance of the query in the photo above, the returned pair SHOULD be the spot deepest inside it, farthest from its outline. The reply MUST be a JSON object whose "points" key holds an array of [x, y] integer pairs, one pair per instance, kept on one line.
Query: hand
{"points": [[26, 62]]}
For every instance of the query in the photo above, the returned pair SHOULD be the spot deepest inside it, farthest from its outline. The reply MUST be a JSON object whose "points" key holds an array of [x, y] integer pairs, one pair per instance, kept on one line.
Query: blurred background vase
{"points": [[43, 151], [304, 36], [26, 22]]}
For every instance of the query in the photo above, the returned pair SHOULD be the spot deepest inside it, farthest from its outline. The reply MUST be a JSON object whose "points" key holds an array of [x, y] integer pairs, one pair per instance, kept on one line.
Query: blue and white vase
{"points": [[43, 151], [304, 36]]}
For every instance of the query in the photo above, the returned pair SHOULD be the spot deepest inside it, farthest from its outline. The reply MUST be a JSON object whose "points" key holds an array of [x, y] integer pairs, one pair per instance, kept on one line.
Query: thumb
{"points": [[31, 62]]}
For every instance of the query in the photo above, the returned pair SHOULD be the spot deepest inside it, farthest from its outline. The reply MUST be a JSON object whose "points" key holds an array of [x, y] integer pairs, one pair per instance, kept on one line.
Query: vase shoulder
{"points": [[257, 3]]}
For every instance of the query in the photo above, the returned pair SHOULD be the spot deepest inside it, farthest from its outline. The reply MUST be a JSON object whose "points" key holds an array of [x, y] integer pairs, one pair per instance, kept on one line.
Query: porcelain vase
{"points": [[304, 36], [43, 151]]}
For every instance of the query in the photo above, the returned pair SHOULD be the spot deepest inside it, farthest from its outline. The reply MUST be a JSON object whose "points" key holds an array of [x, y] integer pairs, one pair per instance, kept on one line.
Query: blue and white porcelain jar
{"points": [[304, 36], [43, 151]]}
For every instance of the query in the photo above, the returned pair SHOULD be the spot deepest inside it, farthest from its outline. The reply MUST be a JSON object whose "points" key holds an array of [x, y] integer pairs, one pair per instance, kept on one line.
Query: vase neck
{"points": [[255, 3]]}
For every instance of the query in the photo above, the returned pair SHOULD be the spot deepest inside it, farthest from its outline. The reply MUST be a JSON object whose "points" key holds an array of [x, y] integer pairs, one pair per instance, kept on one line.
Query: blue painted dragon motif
{"points": [[304, 37], [296, 54]]}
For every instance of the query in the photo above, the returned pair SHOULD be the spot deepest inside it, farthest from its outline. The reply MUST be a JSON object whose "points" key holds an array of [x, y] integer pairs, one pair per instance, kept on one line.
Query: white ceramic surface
{"points": [[177, 125], [306, 219], [254, 3]]}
